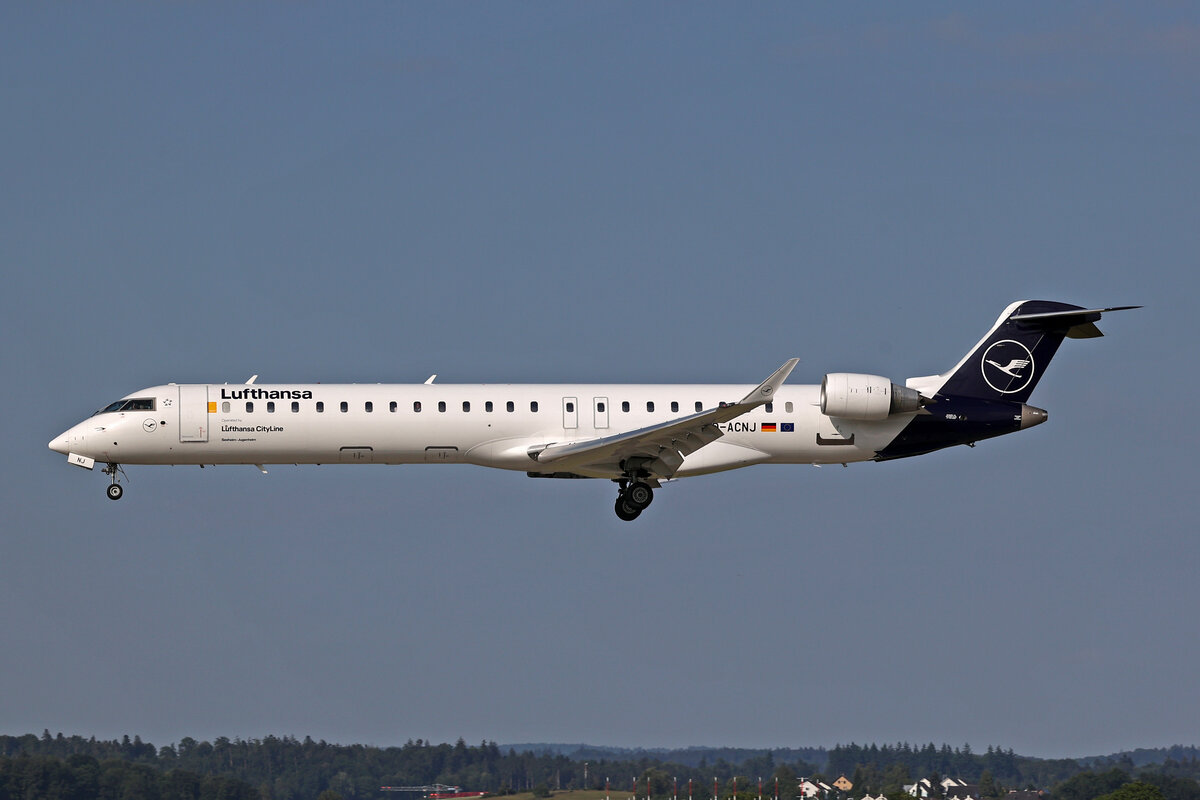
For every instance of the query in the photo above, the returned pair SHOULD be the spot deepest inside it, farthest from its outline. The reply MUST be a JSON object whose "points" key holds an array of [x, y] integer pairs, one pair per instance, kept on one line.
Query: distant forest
{"points": [[285, 768]]}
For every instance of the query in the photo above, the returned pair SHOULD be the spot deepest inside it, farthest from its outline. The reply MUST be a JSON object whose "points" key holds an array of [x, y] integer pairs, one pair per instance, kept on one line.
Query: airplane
{"points": [[638, 436]]}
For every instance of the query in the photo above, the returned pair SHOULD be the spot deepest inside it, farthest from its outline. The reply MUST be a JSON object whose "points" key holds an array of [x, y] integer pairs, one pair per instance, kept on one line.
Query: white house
{"points": [[810, 789]]}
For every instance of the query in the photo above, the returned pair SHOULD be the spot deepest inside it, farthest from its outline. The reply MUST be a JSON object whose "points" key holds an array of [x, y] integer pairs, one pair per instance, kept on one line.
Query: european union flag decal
{"points": [[787, 427]]}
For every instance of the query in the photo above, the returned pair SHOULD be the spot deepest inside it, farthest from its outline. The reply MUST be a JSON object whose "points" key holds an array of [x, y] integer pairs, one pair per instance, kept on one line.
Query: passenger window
{"points": [[769, 408], [442, 406], [625, 405], [270, 406], [649, 405], [533, 406], [345, 406], [416, 406], [392, 406], [488, 406], [225, 407], [295, 407], [674, 406], [320, 407], [699, 406], [570, 408], [788, 406], [466, 406], [249, 407], [368, 406], [510, 406], [600, 407]]}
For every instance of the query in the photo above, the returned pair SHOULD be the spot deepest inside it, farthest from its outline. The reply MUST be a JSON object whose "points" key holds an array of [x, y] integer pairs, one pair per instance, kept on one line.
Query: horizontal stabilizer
{"points": [[1079, 312], [1078, 323]]}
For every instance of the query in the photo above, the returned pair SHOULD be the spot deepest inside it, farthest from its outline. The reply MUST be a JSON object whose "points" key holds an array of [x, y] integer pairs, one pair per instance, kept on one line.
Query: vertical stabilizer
{"points": [[1008, 362]]}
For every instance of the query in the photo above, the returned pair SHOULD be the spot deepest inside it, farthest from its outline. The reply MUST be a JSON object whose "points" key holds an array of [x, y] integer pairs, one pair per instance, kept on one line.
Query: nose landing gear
{"points": [[632, 499], [115, 491]]}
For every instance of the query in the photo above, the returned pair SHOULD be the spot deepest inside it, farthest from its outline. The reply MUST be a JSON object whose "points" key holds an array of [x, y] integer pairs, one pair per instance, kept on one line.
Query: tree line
{"points": [[83, 777], [287, 768]]}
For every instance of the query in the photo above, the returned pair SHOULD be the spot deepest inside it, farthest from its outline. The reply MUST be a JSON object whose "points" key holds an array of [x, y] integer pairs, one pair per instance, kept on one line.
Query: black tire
{"points": [[639, 495], [625, 511], [115, 491]]}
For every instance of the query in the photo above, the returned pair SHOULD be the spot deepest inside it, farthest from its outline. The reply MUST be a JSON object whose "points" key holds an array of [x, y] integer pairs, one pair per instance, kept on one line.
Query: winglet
{"points": [[766, 390]]}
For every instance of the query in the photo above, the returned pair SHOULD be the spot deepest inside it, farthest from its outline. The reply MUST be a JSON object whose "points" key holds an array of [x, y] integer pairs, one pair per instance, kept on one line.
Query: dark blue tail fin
{"points": [[1008, 363]]}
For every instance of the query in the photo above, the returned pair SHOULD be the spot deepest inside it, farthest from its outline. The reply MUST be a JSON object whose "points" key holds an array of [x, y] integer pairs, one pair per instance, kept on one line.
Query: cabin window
{"points": [[600, 407], [225, 407], [416, 406], [270, 406], [345, 406], [488, 406], [466, 406], [392, 406], [533, 406], [249, 407], [295, 407], [625, 406], [442, 406], [570, 408], [699, 406], [788, 406], [674, 406], [320, 407], [649, 405], [769, 408], [368, 406]]}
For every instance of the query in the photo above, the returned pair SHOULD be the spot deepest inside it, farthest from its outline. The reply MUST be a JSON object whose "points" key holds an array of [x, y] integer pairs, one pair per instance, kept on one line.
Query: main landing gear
{"points": [[632, 499], [115, 491]]}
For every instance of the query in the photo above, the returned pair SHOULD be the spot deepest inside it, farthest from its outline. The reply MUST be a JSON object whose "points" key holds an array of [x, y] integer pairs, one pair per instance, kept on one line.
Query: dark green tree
{"points": [[1136, 790]]}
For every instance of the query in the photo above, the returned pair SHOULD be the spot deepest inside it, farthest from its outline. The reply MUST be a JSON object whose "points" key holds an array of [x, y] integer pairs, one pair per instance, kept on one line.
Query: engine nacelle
{"points": [[866, 397]]}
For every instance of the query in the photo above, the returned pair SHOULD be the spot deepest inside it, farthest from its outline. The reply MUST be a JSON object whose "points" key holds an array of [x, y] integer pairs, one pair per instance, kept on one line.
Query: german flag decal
{"points": [[768, 427]]}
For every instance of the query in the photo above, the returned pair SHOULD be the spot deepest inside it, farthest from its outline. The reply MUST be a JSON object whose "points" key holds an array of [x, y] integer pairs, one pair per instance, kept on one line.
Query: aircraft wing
{"points": [[658, 449]]}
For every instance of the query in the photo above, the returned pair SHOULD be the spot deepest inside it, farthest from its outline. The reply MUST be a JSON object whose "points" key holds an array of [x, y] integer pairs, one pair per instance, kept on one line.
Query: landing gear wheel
{"points": [[115, 491], [639, 495], [625, 511]]}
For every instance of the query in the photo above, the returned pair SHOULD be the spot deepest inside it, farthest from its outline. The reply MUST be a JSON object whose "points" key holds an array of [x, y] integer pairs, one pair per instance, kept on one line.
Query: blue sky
{"points": [[603, 192]]}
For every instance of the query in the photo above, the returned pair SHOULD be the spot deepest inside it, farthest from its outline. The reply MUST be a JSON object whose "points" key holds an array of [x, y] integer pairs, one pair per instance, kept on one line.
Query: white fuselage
{"points": [[491, 425]]}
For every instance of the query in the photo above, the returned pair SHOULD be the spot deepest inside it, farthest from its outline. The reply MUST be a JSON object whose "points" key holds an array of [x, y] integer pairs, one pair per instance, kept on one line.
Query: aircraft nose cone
{"points": [[61, 443]]}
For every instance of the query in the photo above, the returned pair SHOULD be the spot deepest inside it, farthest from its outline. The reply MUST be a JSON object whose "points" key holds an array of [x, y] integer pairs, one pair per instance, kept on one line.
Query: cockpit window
{"points": [[132, 404]]}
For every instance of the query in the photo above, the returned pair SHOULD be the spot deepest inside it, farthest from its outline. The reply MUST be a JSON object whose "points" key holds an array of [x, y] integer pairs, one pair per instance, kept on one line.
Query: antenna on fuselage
{"points": [[252, 379], [429, 382]]}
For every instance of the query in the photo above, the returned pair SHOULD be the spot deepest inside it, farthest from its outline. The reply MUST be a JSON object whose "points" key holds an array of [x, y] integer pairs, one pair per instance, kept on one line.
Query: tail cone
{"points": [[1032, 415]]}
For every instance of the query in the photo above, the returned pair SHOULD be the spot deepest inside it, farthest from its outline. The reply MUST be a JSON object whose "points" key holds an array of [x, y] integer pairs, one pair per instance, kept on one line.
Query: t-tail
{"points": [[985, 394]]}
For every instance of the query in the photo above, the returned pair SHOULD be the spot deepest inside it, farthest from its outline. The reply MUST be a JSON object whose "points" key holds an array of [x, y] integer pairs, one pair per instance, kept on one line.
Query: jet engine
{"points": [[866, 397]]}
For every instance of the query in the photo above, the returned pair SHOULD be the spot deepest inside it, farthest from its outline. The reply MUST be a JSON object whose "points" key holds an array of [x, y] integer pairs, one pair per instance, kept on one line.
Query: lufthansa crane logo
{"points": [[1007, 366]]}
